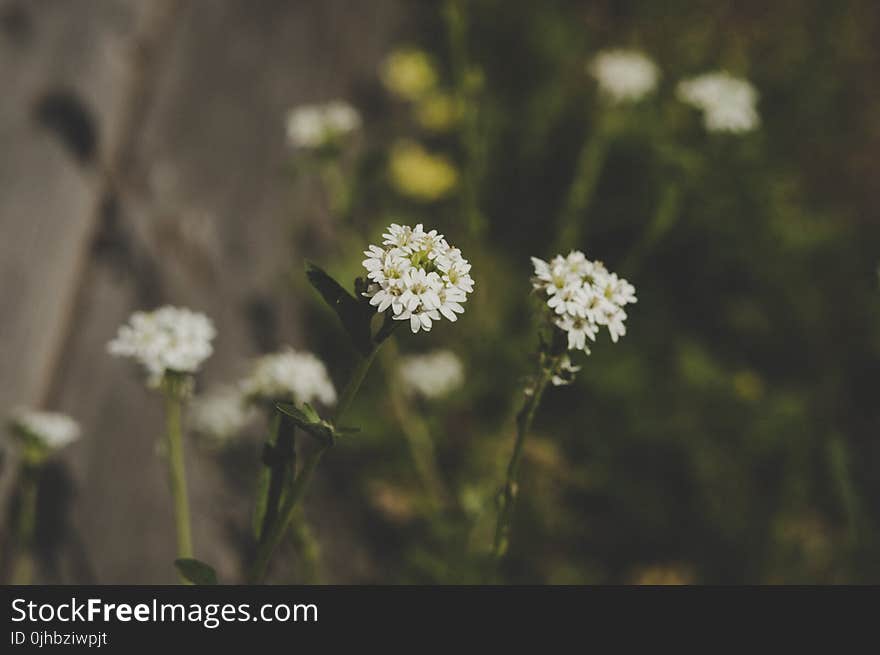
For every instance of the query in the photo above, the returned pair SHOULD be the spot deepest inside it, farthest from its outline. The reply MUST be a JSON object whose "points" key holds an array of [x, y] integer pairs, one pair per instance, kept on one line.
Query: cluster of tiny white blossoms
{"points": [[291, 375], [219, 414], [431, 375], [728, 103], [168, 339], [51, 429], [624, 75], [312, 126], [582, 296], [418, 275]]}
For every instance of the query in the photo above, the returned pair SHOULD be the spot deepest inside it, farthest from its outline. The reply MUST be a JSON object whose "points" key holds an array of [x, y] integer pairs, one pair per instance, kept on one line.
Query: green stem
{"points": [[282, 469], [308, 547], [414, 430], [22, 573], [273, 536], [572, 221], [276, 531], [177, 470], [338, 191], [355, 378], [465, 91], [508, 494]]}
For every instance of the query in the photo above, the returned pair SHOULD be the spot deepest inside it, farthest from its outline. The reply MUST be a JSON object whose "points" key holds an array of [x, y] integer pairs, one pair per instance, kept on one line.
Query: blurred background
{"points": [[730, 437]]}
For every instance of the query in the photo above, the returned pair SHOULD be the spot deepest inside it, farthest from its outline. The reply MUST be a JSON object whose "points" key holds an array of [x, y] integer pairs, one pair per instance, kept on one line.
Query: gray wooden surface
{"points": [[185, 200]]}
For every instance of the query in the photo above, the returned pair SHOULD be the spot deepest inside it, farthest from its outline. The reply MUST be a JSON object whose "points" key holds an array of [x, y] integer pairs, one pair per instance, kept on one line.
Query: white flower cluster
{"points": [[168, 339], [53, 430], [432, 375], [728, 103], [289, 375], [418, 275], [219, 414], [583, 296], [312, 126], [624, 75]]}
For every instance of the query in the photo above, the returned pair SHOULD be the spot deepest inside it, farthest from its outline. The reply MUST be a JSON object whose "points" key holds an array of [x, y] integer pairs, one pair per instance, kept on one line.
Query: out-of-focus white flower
{"points": [[624, 75], [50, 429], [565, 372], [418, 275], [168, 339], [289, 375], [312, 126], [432, 375], [728, 103], [582, 296], [219, 414]]}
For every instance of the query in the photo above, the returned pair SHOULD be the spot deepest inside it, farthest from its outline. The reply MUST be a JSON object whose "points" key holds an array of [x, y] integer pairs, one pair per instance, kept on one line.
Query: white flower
{"points": [[624, 75], [312, 126], [219, 414], [168, 339], [418, 276], [51, 429], [582, 296], [728, 103], [564, 373], [431, 375], [290, 375]]}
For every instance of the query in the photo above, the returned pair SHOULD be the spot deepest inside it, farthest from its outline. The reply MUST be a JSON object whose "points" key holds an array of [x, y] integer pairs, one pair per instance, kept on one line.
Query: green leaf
{"points": [[196, 572], [354, 315], [310, 423]]}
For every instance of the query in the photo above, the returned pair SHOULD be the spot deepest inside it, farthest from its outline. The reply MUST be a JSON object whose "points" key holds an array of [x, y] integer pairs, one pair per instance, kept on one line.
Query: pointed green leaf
{"points": [[355, 315], [196, 572]]}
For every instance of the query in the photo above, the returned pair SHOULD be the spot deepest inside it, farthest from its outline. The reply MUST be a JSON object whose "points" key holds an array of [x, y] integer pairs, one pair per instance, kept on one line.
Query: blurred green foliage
{"points": [[731, 436]]}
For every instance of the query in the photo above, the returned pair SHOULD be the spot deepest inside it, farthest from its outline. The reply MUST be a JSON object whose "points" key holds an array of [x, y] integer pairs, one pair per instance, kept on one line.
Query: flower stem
{"points": [[466, 91], [27, 518], [415, 431], [273, 536], [586, 176], [355, 378], [508, 494], [173, 409]]}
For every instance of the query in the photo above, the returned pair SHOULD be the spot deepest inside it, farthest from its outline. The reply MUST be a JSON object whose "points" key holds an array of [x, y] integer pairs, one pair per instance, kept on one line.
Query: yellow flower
{"points": [[419, 174], [409, 73], [438, 112]]}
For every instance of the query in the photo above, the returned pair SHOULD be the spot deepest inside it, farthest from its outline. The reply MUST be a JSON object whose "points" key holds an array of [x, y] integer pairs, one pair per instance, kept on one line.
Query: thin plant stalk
{"points": [[591, 159], [508, 494], [465, 91], [415, 430], [308, 547], [286, 514], [22, 573], [177, 470]]}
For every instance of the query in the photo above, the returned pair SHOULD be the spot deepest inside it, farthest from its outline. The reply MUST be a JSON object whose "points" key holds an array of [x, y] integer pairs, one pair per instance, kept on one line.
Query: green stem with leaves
{"points": [[22, 573], [507, 496], [272, 537], [177, 471]]}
